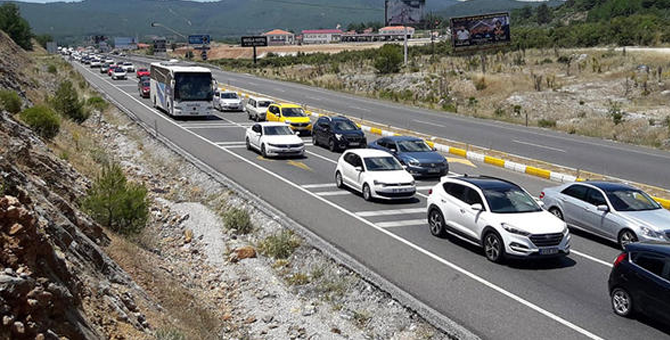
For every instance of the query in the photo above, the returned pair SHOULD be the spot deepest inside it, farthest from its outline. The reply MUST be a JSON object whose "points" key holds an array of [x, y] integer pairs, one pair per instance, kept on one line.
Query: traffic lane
{"points": [[281, 199]]}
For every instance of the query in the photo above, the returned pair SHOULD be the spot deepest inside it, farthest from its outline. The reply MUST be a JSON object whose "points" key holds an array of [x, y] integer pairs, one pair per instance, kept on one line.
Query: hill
{"points": [[225, 18], [473, 7]]}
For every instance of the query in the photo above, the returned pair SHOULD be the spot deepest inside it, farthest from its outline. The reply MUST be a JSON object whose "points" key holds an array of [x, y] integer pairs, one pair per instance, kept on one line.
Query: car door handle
{"points": [[443, 201], [462, 211]]}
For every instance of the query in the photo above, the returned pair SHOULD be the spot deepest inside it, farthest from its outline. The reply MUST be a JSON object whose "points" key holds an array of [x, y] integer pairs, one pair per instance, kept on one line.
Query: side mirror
{"points": [[404, 167], [359, 168], [393, 150], [434, 149], [540, 203], [603, 207], [477, 207]]}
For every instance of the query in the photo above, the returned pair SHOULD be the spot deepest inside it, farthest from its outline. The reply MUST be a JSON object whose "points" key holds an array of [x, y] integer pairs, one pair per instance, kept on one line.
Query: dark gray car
{"points": [[614, 211]]}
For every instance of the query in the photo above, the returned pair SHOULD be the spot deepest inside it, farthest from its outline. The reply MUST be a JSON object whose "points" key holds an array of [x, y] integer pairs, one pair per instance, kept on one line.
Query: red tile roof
{"points": [[277, 32], [322, 32]]}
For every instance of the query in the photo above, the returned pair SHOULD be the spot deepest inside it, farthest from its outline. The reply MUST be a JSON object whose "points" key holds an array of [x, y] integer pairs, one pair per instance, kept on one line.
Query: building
{"points": [[396, 32], [279, 37], [321, 36]]}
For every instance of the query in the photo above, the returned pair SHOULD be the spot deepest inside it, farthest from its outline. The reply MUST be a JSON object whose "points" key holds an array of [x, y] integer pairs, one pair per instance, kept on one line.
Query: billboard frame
{"points": [[388, 22], [481, 47]]}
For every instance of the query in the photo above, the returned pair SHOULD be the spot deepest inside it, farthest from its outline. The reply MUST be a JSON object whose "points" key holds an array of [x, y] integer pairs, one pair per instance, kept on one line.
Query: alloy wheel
{"points": [[331, 145], [248, 144], [315, 142], [493, 247], [436, 223], [627, 237], [621, 302], [367, 195], [263, 152], [338, 179], [556, 212]]}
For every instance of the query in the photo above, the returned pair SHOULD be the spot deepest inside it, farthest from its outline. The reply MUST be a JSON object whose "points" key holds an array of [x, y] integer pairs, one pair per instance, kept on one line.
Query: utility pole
{"points": [[405, 44]]}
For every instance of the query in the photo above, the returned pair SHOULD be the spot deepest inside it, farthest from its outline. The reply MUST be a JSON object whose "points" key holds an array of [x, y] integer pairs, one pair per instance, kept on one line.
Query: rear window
{"points": [[654, 263]]}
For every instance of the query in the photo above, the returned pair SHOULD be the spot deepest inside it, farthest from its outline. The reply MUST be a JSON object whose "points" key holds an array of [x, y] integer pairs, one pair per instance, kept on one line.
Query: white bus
{"points": [[181, 89]]}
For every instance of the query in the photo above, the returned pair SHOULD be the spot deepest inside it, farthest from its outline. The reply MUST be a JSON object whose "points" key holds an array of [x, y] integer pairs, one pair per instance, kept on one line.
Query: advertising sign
{"points": [[202, 39], [160, 45], [254, 41], [405, 12], [480, 31], [125, 43]]}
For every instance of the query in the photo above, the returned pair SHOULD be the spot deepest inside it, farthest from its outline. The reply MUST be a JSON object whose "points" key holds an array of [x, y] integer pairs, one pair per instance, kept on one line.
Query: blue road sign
{"points": [[202, 39]]}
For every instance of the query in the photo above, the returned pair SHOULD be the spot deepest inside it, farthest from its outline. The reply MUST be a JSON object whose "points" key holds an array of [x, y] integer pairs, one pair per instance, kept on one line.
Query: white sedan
{"points": [[274, 139], [374, 173], [128, 67], [118, 73]]}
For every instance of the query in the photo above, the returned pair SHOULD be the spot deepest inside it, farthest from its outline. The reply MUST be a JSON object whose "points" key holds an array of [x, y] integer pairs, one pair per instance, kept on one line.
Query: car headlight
{"points": [[514, 230], [414, 163], [338, 136], [565, 229], [412, 182], [650, 232], [376, 182]]}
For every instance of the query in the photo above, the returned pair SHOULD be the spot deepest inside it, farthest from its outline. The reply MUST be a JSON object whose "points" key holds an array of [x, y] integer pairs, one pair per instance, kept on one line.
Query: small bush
{"points": [[10, 101], [44, 121], [117, 204], [546, 123], [480, 83], [298, 279], [237, 219], [97, 103], [614, 111], [52, 69], [66, 102], [389, 59], [169, 334], [280, 245]]}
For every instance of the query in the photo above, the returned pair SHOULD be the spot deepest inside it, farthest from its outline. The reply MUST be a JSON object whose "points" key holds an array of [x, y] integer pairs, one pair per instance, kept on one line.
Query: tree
{"points": [[543, 14], [66, 102], [43, 39], [15, 26], [389, 58]]}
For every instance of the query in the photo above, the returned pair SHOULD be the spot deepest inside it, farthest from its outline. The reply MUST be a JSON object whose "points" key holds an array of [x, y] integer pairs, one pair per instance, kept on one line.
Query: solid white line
{"points": [[427, 253], [405, 223], [427, 123], [229, 143], [314, 186], [374, 213], [333, 193], [591, 258], [322, 157], [211, 127], [538, 145], [361, 108]]}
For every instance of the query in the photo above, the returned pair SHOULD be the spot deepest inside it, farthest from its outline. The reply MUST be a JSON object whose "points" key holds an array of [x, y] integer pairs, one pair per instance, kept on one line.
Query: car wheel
{"points": [[331, 145], [557, 212], [315, 141], [248, 144], [626, 236], [338, 180], [493, 247], [263, 152], [367, 194], [622, 302], [436, 222]]}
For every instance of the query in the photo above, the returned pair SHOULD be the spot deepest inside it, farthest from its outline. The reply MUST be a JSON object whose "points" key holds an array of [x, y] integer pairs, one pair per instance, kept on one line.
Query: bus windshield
{"points": [[193, 86]]}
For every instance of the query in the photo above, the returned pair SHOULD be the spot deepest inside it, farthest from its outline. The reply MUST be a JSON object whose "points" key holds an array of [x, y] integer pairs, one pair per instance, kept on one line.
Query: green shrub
{"points": [[389, 59], [297, 279], [10, 101], [52, 69], [44, 121], [280, 245], [546, 123], [97, 103], [238, 219], [66, 102], [169, 334], [614, 111], [117, 204]]}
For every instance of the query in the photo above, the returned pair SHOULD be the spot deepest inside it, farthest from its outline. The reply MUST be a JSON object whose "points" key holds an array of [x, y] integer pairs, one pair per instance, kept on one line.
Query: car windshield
{"points": [[293, 112], [510, 200], [413, 146], [146, 83], [382, 164], [229, 95], [631, 200], [277, 130], [142, 70], [344, 125], [118, 69], [127, 64], [193, 86], [264, 104]]}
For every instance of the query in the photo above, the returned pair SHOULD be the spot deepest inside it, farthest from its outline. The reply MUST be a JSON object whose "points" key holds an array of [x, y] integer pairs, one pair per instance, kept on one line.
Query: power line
{"points": [[300, 3]]}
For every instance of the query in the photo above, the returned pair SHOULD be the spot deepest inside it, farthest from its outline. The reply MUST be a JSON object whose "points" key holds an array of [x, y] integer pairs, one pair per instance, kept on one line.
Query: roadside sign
{"points": [[254, 41], [203, 55], [201, 39], [160, 45]]}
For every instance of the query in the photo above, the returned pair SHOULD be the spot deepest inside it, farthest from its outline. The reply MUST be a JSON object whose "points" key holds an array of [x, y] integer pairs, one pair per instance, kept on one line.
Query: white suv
{"points": [[497, 215], [374, 173]]}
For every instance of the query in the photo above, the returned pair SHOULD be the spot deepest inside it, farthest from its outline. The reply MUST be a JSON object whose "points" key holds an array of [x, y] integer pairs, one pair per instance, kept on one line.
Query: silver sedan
{"points": [[614, 211]]}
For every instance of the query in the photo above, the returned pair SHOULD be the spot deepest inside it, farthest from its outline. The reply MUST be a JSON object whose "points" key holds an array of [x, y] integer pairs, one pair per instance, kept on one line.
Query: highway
{"points": [[564, 299], [633, 163]]}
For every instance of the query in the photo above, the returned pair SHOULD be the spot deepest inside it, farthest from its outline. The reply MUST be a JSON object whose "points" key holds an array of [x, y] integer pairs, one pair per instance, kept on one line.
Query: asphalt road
{"points": [[521, 300], [633, 163]]}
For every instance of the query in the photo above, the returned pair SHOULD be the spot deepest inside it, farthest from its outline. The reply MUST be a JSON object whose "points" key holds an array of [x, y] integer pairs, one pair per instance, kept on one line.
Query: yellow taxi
{"points": [[291, 114]]}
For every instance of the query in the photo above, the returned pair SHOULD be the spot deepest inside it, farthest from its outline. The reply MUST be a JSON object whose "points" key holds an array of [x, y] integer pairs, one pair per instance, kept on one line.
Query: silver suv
{"points": [[614, 211]]}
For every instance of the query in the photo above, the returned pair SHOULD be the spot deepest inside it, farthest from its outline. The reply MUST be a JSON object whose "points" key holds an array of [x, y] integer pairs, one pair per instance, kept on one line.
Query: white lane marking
{"points": [[427, 123], [405, 223], [128, 85], [315, 186], [322, 157], [538, 145], [280, 90], [586, 256], [374, 213], [361, 108], [334, 193], [230, 143], [317, 99], [427, 253], [211, 127]]}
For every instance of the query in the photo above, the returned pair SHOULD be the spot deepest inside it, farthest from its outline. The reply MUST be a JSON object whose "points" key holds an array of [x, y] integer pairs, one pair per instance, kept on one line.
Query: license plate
{"points": [[354, 144], [549, 251], [400, 190], [433, 171]]}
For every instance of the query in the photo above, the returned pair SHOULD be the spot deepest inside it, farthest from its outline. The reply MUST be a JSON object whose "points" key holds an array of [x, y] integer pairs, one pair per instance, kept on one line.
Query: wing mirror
{"points": [[477, 207], [603, 207], [359, 168], [393, 150]]}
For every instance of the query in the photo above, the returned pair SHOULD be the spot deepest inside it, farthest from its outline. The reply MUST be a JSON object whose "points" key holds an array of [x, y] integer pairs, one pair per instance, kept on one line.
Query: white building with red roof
{"points": [[280, 37], [321, 36]]}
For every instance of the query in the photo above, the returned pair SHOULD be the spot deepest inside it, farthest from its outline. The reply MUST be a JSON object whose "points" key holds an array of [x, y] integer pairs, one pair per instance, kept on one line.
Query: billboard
{"points": [[160, 45], [125, 43], [254, 41], [199, 39], [480, 31], [404, 12]]}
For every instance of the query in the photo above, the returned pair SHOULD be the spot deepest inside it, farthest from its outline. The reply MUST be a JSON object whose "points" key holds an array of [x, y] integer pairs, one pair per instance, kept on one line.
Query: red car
{"points": [[142, 72], [144, 87], [111, 69]]}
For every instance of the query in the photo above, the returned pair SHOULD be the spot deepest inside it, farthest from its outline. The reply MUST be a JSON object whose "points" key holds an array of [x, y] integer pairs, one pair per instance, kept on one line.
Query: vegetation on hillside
{"points": [[15, 26]]}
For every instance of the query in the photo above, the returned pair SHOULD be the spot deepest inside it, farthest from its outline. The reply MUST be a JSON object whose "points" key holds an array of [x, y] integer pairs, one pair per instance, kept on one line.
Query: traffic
{"points": [[493, 214]]}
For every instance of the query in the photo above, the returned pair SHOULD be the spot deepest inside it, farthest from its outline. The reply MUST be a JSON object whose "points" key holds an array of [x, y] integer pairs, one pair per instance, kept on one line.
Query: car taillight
{"points": [[542, 195], [619, 259], [430, 191]]}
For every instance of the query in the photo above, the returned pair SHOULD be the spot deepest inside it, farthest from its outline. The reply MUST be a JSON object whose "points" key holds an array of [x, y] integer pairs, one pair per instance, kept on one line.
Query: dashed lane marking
{"points": [[392, 212]]}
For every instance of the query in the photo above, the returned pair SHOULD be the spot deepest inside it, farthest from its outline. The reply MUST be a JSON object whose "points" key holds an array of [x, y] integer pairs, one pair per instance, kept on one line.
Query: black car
{"points": [[338, 133], [640, 281]]}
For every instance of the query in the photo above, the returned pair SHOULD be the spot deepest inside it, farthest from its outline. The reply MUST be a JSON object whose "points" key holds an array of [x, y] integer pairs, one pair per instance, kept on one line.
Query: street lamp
{"points": [[188, 46]]}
